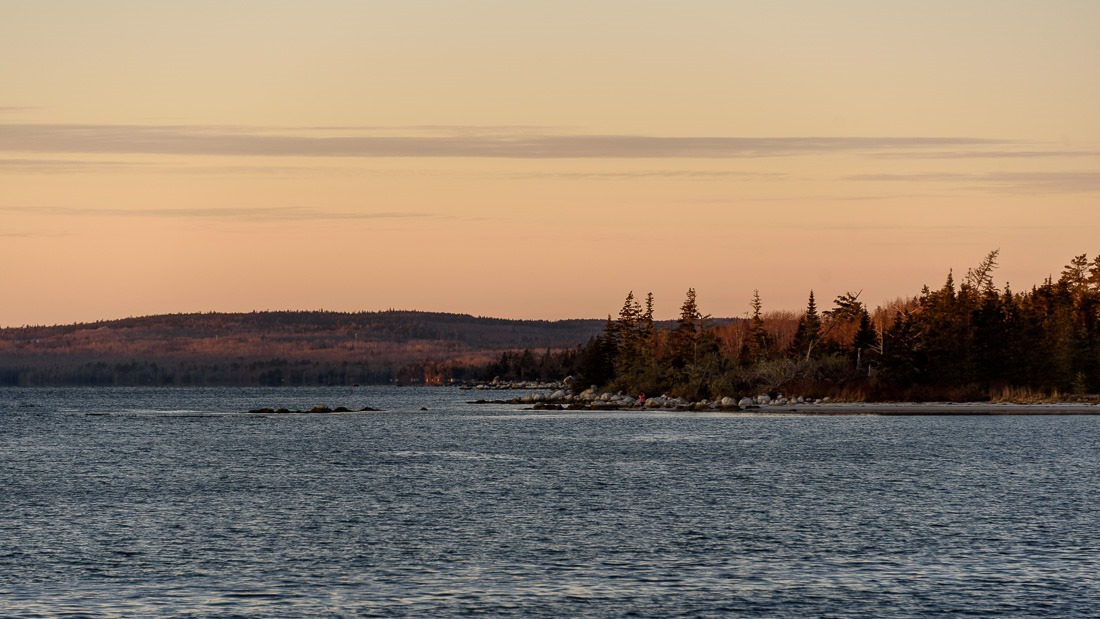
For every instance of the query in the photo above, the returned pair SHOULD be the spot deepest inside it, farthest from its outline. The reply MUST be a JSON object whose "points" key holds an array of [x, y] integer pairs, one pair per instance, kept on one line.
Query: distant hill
{"points": [[273, 348]]}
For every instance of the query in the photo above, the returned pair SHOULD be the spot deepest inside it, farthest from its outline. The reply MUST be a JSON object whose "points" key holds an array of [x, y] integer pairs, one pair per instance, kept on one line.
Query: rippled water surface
{"points": [[162, 502]]}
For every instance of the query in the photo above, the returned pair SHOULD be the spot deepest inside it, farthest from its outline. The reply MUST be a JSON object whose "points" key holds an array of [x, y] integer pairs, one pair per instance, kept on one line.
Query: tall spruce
{"points": [[684, 339], [863, 343], [808, 331], [636, 369], [754, 346]]}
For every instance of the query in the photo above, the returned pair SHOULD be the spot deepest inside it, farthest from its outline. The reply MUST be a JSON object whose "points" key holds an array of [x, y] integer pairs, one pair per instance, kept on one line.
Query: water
{"points": [[161, 502]]}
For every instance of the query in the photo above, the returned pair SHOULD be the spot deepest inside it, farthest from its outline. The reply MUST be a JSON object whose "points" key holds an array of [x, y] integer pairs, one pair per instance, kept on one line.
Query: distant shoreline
{"points": [[916, 409], [818, 408]]}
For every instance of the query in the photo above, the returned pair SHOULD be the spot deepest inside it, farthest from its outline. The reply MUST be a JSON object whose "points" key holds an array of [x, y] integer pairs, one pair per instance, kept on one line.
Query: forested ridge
{"points": [[274, 348], [968, 339]]}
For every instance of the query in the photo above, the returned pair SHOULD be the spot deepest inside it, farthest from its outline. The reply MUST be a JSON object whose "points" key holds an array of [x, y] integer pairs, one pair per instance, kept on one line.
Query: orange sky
{"points": [[535, 159]]}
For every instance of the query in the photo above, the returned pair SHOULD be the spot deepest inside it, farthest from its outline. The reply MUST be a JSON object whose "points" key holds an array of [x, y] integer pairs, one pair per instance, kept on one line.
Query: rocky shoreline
{"points": [[498, 385], [592, 399]]}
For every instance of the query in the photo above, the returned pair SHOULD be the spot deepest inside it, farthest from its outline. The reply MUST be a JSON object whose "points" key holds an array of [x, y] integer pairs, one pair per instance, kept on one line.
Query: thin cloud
{"points": [[29, 235], [242, 141], [631, 175], [240, 213], [916, 226], [62, 165], [935, 177], [55, 166], [1070, 182], [1086, 181], [991, 154]]}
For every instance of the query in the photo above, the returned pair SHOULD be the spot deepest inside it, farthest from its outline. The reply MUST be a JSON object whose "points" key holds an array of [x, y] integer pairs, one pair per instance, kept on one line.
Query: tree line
{"points": [[278, 348], [966, 340]]}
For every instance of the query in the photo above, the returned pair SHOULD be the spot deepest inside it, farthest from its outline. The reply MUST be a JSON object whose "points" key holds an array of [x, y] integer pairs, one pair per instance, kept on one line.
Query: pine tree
{"points": [[980, 278], [1076, 273], [865, 338], [635, 367], [630, 317], [684, 338], [755, 345], [596, 360], [648, 329], [1094, 273], [903, 361], [808, 332]]}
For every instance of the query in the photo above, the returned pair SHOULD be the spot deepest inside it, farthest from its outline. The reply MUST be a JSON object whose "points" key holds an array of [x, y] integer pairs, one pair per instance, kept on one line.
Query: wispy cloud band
{"points": [[992, 154], [243, 141], [243, 213], [1086, 181]]}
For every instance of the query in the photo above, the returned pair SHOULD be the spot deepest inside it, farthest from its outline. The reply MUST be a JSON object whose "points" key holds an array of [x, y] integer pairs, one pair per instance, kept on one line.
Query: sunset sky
{"points": [[535, 159]]}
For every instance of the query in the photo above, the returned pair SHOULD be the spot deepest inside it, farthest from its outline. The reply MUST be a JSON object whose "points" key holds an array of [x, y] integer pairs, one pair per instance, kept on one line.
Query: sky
{"points": [[535, 159]]}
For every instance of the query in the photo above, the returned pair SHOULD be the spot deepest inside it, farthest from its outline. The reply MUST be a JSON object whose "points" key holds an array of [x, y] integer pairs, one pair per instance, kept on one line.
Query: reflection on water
{"points": [[166, 503]]}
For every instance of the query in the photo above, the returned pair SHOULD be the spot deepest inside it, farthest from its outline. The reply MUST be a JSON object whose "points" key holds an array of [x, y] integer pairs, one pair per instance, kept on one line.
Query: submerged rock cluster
{"points": [[320, 408]]}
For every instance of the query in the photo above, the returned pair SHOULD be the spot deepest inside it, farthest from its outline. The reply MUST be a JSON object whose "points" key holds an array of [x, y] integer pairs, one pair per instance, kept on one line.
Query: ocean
{"points": [[167, 502]]}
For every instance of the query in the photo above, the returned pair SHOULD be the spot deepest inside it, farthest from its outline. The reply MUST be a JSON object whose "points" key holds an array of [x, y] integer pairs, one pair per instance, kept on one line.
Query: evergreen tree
{"points": [[596, 360], [684, 338], [864, 340], [980, 278], [1094, 273], [755, 345], [636, 367], [648, 329], [808, 332], [903, 362], [1076, 275]]}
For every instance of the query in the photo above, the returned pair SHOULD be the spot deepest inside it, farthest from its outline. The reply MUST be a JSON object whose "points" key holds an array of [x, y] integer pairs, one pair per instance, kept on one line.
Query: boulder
{"points": [[746, 402], [320, 408]]}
